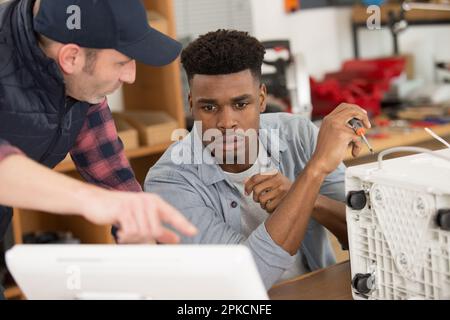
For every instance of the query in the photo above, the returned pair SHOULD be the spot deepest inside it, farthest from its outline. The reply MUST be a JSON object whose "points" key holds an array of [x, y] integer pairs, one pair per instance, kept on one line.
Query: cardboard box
{"points": [[127, 133], [154, 127]]}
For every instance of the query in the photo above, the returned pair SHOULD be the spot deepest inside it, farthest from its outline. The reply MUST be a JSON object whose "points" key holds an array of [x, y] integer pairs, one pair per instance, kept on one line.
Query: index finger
{"points": [[172, 216]]}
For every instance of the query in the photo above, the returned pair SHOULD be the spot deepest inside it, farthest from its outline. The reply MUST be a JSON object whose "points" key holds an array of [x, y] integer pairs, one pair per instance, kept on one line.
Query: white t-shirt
{"points": [[252, 215]]}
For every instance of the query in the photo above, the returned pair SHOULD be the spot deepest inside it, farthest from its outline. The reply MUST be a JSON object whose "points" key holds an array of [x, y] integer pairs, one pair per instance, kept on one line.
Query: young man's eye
{"points": [[209, 107]]}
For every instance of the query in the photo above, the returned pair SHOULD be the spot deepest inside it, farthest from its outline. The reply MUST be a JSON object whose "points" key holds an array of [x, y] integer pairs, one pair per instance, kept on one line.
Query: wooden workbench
{"points": [[416, 137], [332, 283]]}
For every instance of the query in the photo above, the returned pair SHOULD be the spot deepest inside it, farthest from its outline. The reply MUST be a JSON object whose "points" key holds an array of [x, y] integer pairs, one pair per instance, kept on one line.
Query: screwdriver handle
{"points": [[357, 126]]}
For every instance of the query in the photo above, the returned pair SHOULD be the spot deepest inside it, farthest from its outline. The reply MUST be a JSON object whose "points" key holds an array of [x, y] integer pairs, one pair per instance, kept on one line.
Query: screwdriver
{"points": [[360, 131]]}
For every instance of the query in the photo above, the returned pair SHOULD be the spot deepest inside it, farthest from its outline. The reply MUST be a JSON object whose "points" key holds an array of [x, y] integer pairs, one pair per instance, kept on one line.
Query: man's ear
{"points": [[262, 98], [71, 58], [190, 102]]}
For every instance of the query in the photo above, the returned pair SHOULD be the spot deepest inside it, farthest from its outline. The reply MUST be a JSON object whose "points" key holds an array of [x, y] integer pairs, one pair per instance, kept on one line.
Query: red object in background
{"points": [[381, 122], [361, 82], [378, 136], [422, 124], [377, 70]]}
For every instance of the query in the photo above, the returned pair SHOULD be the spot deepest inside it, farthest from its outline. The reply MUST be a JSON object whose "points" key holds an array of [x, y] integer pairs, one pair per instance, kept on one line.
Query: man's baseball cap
{"points": [[106, 24]]}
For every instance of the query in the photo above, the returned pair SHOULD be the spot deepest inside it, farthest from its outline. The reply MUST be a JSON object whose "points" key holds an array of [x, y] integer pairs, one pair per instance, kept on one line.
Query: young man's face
{"points": [[231, 103], [103, 76]]}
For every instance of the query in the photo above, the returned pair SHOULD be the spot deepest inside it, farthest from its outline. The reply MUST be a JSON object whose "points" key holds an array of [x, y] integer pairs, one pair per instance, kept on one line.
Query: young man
{"points": [[265, 197], [59, 59]]}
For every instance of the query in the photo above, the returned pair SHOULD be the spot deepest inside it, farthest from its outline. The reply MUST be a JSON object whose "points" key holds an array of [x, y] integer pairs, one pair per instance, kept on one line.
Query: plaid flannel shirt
{"points": [[98, 152]]}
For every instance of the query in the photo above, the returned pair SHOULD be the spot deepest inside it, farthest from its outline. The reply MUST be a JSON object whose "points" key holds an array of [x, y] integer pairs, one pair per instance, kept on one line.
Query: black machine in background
{"points": [[276, 82], [286, 78]]}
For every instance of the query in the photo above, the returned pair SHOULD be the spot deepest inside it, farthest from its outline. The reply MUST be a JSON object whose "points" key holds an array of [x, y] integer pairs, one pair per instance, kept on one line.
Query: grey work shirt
{"points": [[188, 177]]}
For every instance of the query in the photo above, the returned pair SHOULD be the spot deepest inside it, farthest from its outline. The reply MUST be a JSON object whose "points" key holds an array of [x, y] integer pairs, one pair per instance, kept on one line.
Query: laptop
{"points": [[135, 272]]}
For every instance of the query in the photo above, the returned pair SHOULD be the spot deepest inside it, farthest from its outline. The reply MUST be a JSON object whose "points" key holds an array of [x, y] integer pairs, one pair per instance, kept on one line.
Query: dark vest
{"points": [[35, 114]]}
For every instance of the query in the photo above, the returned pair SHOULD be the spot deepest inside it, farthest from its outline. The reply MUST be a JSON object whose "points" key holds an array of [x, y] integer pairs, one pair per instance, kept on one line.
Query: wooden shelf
{"points": [[416, 17], [360, 15], [158, 88]]}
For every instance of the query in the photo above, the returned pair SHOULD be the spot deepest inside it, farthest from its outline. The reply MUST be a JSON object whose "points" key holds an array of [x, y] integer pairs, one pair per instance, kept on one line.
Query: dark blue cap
{"points": [[106, 24]]}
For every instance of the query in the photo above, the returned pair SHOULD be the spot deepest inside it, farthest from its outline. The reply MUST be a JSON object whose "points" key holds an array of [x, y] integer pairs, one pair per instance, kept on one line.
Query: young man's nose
{"points": [[227, 119], [129, 73]]}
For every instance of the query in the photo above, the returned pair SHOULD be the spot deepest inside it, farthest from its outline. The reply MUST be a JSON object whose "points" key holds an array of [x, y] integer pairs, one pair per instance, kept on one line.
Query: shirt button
{"points": [[234, 204]]}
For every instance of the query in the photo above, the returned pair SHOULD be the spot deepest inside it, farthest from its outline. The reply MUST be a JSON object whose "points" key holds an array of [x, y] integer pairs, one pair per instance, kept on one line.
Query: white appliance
{"points": [[163, 272], [398, 219]]}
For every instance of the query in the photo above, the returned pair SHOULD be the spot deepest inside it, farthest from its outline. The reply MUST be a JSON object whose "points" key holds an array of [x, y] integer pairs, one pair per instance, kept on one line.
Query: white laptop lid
{"points": [[135, 272]]}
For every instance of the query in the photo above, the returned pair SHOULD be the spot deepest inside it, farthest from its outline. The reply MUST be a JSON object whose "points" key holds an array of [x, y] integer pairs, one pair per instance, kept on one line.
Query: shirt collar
{"points": [[211, 173]]}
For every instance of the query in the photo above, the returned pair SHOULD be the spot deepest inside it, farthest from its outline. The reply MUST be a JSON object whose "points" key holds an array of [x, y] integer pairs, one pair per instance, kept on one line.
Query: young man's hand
{"points": [[335, 136], [139, 216], [268, 189]]}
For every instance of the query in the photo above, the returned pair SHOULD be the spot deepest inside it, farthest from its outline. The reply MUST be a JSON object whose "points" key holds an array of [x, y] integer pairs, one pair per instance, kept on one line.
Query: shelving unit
{"points": [[155, 89], [413, 17]]}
